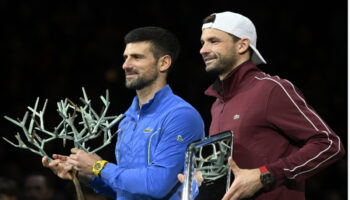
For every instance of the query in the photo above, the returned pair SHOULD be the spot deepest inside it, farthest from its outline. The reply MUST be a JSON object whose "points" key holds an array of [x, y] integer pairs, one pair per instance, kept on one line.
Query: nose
{"points": [[126, 64], [204, 49]]}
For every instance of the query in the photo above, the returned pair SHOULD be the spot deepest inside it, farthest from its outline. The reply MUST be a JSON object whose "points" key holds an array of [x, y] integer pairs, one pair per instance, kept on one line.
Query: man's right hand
{"points": [[197, 175], [59, 166]]}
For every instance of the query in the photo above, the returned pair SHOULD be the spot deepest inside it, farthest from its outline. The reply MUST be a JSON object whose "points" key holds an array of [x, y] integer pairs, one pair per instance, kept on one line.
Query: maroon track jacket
{"points": [[273, 126]]}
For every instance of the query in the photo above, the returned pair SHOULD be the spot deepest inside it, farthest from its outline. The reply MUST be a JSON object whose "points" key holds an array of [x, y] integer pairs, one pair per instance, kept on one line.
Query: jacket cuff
{"points": [[278, 174]]}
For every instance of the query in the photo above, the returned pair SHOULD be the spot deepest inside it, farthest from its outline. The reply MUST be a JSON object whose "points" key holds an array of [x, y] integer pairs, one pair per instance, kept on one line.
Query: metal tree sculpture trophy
{"points": [[91, 127], [208, 155]]}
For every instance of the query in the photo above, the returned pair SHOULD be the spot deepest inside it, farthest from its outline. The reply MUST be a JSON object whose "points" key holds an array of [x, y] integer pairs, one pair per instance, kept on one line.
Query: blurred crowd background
{"points": [[51, 49]]}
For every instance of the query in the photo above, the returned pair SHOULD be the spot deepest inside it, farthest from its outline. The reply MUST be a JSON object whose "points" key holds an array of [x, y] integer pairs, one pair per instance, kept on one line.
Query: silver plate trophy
{"points": [[210, 156]]}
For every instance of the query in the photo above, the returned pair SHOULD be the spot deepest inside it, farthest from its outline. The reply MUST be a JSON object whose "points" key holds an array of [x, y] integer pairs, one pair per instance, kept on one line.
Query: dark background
{"points": [[50, 49]]}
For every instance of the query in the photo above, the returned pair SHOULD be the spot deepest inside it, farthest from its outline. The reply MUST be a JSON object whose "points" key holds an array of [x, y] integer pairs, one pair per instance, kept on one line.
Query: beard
{"points": [[141, 81], [222, 65]]}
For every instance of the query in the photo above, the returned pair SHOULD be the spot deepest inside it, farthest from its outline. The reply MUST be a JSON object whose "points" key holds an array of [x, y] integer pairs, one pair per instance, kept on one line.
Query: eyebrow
{"points": [[134, 55], [211, 38]]}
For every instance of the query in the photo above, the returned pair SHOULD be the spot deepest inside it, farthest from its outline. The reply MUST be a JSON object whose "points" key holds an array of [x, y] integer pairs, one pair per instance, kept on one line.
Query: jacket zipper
{"points": [[138, 117], [120, 139], [221, 113]]}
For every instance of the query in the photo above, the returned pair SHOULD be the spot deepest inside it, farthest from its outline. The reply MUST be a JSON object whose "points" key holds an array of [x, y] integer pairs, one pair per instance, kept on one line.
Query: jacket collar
{"points": [[227, 88], [151, 106]]}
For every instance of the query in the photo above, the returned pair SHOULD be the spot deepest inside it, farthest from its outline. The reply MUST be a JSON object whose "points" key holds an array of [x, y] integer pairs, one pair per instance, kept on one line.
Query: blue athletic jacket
{"points": [[150, 150]]}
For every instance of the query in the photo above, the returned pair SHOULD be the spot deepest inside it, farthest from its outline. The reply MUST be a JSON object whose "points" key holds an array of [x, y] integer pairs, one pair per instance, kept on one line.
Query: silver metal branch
{"points": [[79, 124], [91, 126]]}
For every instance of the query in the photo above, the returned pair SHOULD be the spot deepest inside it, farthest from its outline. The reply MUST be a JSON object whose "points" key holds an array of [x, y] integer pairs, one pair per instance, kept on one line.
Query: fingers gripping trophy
{"points": [[79, 124]]}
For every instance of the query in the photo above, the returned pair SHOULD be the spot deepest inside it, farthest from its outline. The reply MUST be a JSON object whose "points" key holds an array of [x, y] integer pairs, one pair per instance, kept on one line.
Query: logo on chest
{"points": [[179, 138], [236, 116], [148, 130]]}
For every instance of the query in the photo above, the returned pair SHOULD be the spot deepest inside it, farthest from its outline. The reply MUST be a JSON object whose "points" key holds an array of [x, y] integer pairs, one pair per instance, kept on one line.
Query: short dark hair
{"points": [[210, 18], [163, 42]]}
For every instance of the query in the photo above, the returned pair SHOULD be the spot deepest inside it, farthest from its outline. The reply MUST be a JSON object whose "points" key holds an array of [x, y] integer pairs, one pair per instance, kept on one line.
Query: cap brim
{"points": [[256, 57]]}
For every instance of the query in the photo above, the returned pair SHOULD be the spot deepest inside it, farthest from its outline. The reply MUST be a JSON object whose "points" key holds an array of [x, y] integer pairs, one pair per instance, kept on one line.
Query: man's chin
{"points": [[212, 70], [134, 85], [130, 85], [209, 67]]}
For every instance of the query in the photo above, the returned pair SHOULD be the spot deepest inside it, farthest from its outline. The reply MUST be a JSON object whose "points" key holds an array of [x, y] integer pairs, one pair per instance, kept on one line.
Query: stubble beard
{"points": [[140, 82], [221, 66]]}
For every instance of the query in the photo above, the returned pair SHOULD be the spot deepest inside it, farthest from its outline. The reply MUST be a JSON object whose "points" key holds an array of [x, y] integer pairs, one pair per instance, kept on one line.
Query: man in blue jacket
{"points": [[158, 126]]}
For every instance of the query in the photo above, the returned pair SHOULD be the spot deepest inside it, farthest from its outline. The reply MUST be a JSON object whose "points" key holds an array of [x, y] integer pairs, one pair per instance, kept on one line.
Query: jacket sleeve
{"points": [[160, 176], [100, 186], [319, 145]]}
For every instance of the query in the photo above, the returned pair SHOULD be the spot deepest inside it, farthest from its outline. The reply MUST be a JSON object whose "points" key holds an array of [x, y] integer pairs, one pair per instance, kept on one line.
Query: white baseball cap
{"points": [[239, 26]]}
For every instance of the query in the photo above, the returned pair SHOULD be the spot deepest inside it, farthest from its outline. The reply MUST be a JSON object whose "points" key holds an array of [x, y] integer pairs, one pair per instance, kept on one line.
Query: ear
{"points": [[164, 63], [243, 45]]}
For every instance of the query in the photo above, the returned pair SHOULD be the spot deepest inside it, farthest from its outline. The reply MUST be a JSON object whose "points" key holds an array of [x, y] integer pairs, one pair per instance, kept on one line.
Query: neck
{"points": [[238, 63], [147, 93]]}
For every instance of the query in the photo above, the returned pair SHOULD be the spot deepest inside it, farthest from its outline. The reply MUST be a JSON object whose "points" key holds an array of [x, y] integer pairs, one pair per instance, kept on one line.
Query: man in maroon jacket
{"points": [[279, 140]]}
